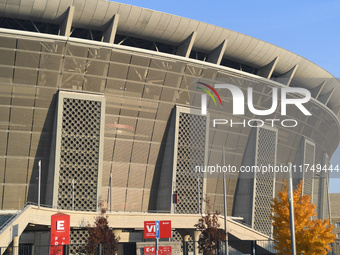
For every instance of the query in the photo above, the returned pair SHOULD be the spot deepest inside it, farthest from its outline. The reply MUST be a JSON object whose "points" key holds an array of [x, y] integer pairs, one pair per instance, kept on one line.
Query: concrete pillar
{"points": [[185, 244], [267, 70], [16, 245], [287, 77], [117, 233], [196, 237], [65, 27], [185, 49], [110, 33], [217, 55]]}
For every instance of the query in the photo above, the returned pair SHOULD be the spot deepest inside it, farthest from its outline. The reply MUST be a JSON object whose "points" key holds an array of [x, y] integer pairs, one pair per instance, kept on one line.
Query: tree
{"points": [[211, 235], [313, 236], [101, 234]]}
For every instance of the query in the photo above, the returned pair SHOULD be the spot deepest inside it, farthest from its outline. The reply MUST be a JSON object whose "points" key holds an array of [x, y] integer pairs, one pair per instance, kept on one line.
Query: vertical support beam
{"points": [[326, 97], [65, 27], [315, 92], [16, 245], [110, 33], [267, 70], [216, 56], [287, 77], [185, 244], [185, 49], [196, 237]]}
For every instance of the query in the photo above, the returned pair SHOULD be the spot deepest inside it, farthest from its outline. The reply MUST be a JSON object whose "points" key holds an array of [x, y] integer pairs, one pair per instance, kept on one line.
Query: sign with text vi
{"points": [[164, 229], [60, 233]]}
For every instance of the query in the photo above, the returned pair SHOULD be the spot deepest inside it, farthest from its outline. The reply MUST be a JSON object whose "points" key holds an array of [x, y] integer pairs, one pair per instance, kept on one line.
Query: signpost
{"points": [[60, 233], [155, 230], [163, 250], [164, 229]]}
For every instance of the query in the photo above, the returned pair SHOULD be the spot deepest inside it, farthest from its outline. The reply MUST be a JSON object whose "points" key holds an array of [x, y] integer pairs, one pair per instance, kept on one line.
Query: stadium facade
{"points": [[93, 88]]}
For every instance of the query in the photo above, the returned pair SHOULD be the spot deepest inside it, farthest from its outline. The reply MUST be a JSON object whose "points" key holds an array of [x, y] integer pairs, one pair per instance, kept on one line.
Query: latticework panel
{"points": [[308, 173], [177, 237], [79, 154], [264, 181], [78, 239], [190, 153]]}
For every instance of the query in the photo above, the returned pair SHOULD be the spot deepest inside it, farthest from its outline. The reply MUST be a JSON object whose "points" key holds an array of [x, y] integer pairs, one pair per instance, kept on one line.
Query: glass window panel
{"points": [[5, 94], [18, 144], [7, 57], [72, 81], [74, 64], [48, 78], [97, 68], [7, 42], [27, 59], [6, 74], [29, 44], [94, 84], [21, 118], [46, 97], [23, 95], [51, 62], [25, 76]]}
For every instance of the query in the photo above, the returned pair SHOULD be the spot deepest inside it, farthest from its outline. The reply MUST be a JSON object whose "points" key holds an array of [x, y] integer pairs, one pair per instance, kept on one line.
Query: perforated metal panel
{"points": [[78, 157], [190, 153], [265, 181], [308, 174], [78, 238], [177, 237]]}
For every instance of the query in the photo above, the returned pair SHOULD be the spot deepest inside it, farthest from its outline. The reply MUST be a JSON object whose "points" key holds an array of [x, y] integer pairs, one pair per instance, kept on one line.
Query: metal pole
{"points": [[39, 183], [72, 194], [225, 206], [198, 194], [156, 246], [291, 210], [111, 191]]}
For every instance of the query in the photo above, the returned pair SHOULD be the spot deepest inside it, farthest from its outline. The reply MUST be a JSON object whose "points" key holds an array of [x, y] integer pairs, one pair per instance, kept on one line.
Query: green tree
{"points": [[313, 236]]}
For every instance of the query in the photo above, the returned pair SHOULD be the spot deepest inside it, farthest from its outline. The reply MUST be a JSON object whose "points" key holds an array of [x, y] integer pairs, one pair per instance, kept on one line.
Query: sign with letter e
{"points": [[60, 233]]}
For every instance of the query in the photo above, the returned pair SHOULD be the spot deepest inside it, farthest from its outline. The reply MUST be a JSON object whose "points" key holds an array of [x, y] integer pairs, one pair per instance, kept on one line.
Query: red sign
{"points": [[164, 250], [164, 229], [60, 232]]}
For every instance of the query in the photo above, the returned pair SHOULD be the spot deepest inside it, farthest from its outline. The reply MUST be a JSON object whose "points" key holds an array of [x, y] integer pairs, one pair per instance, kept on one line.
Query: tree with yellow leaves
{"points": [[313, 236]]}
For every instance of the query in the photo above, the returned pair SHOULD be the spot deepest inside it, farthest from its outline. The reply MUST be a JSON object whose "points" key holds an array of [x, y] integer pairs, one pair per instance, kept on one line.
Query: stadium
{"points": [[108, 97]]}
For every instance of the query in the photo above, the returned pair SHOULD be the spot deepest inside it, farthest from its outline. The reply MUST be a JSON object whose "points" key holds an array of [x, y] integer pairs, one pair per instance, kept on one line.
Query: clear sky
{"points": [[308, 28]]}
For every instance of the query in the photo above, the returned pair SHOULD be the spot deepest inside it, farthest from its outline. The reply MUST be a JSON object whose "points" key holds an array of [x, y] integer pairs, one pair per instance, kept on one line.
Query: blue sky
{"points": [[307, 28]]}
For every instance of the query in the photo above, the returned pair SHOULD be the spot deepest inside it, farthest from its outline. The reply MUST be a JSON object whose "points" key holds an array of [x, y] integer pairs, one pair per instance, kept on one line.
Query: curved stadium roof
{"points": [[174, 30]]}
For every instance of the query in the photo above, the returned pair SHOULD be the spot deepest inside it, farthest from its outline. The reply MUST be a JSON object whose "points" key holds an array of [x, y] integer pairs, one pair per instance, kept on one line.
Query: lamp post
{"points": [[225, 207], [291, 210]]}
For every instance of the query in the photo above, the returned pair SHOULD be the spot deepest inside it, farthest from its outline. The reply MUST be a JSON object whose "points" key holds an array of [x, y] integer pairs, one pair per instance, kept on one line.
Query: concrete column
{"points": [[267, 70], [287, 77], [117, 232], [16, 245], [65, 28], [196, 237], [185, 49], [216, 56], [185, 244], [110, 33]]}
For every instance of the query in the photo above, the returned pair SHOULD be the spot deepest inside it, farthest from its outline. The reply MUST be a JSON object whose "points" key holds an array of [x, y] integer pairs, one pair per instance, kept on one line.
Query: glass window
{"points": [[338, 235], [337, 225]]}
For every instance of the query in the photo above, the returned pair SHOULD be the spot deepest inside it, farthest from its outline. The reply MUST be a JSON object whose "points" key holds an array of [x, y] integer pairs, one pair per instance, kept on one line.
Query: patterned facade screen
{"points": [[264, 183], [308, 174], [78, 160], [191, 149]]}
